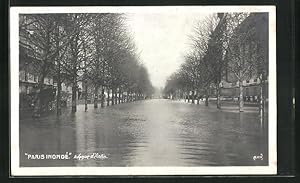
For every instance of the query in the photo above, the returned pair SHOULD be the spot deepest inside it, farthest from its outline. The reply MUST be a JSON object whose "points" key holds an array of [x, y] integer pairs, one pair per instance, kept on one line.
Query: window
{"points": [[30, 77], [35, 78], [22, 75], [255, 93], [247, 91]]}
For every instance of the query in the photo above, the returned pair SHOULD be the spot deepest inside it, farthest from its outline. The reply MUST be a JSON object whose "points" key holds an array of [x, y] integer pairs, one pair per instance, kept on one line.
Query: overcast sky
{"points": [[162, 40]]}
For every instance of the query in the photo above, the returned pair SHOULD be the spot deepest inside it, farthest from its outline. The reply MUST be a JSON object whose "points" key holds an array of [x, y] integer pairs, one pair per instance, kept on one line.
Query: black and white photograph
{"points": [[144, 90]]}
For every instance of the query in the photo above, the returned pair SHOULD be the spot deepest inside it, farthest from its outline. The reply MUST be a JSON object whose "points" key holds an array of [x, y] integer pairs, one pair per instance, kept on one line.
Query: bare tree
{"points": [[91, 48], [39, 35], [241, 55], [203, 40], [73, 63], [255, 32]]}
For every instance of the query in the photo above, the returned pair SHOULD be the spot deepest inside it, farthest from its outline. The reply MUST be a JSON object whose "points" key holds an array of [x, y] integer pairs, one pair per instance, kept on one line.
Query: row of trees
{"points": [[230, 47], [95, 49]]}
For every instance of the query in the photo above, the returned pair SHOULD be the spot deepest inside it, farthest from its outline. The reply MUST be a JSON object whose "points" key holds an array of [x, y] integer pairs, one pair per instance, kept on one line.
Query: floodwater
{"points": [[146, 133]]}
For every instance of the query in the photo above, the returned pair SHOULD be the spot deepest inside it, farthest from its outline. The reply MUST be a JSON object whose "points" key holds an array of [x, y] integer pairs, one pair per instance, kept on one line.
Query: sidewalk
{"points": [[228, 106]]}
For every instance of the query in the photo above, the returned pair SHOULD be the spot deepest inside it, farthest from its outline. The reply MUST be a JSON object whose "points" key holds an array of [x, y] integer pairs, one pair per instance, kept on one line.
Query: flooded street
{"points": [[147, 133]]}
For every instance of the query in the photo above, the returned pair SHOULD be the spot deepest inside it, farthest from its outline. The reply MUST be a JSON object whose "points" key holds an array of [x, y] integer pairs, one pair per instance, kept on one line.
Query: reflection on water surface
{"points": [[147, 133]]}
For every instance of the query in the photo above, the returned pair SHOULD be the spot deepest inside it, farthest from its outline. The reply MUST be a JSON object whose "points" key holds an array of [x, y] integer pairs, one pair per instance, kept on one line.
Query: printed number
{"points": [[258, 157]]}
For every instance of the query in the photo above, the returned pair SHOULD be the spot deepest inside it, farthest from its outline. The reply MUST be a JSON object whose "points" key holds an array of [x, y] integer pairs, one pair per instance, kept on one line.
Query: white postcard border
{"points": [[16, 170]]}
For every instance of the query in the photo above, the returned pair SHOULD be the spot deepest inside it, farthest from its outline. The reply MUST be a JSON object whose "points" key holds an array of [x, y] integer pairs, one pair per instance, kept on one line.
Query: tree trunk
{"points": [[37, 105], [96, 97], [188, 97], [112, 96], [108, 97], [128, 96], [86, 97], [261, 102], [37, 109], [116, 96], [58, 96], [241, 99], [132, 96], [198, 98], [74, 88], [193, 97], [120, 99], [102, 97], [206, 98], [218, 97]]}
